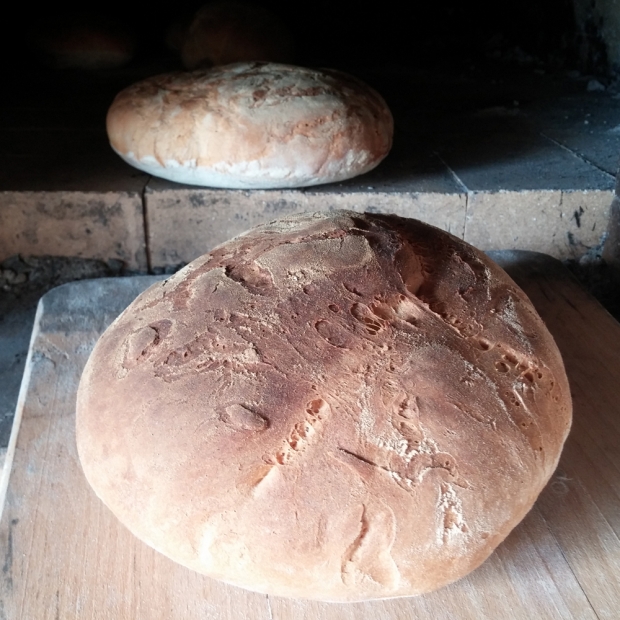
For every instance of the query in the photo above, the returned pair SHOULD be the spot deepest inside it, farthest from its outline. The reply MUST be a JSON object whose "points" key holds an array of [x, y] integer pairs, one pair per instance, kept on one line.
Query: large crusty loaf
{"points": [[251, 125], [332, 406]]}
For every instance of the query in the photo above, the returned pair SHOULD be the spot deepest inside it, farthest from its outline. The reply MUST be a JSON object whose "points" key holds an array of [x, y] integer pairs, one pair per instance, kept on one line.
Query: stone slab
{"points": [[183, 224], [562, 224], [587, 124], [410, 168], [507, 154], [83, 224], [611, 252], [64, 159]]}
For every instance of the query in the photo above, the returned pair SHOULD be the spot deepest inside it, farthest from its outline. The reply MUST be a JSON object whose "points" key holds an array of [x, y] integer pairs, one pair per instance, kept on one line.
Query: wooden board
{"points": [[64, 556]]}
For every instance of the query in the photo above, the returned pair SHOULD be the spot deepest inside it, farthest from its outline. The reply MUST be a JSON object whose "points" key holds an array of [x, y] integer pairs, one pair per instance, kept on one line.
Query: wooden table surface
{"points": [[64, 556]]}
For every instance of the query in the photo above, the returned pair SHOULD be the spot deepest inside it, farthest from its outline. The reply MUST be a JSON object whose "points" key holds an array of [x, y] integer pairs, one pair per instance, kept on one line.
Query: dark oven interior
{"points": [[445, 33]]}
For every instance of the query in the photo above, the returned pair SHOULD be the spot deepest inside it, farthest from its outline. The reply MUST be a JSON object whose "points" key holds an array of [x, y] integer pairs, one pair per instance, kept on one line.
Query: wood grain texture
{"points": [[63, 555]]}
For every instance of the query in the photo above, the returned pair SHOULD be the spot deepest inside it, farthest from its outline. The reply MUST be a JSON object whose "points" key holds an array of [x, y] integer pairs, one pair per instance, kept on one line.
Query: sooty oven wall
{"points": [[345, 32]]}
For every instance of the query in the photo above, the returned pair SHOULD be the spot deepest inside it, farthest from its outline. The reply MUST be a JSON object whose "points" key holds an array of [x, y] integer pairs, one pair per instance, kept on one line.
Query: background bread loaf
{"points": [[84, 41], [228, 31], [251, 125], [332, 406]]}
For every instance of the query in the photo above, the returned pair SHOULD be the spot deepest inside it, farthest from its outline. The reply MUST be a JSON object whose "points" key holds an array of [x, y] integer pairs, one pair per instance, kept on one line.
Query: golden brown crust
{"points": [[251, 125], [340, 407]]}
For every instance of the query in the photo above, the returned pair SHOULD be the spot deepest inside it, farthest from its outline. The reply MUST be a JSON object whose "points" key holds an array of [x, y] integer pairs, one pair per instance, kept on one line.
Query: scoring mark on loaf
{"points": [[252, 276], [410, 267], [507, 360], [243, 418], [334, 334], [406, 474], [406, 420], [403, 451], [368, 558], [451, 518], [142, 343], [412, 454], [303, 434], [525, 377], [387, 309], [207, 352], [371, 322], [262, 479]]}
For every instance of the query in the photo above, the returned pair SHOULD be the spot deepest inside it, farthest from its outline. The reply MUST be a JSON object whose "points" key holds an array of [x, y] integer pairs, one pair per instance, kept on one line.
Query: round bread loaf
{"points": [[332, 406], [251, 125]]}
